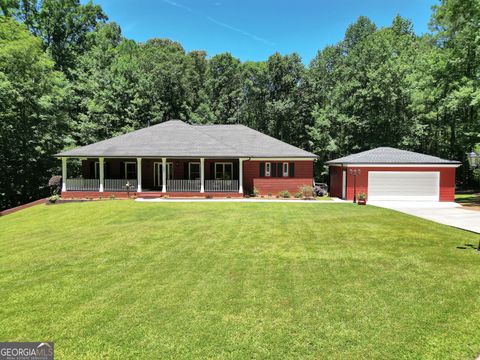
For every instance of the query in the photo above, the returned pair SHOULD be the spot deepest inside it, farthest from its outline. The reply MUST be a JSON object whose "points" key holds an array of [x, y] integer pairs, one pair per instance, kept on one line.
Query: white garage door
{"points": [[403, 185]]}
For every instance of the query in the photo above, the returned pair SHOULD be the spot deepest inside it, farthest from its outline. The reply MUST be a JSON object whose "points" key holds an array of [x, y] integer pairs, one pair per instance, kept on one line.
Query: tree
{"points": [[33, 122], [63, 25], [224, 87], [284, 76], [456, 25]]}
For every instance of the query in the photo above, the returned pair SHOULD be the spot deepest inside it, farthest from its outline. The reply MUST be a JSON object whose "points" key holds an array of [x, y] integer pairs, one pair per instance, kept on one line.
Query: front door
{"points": [[157, 173]]}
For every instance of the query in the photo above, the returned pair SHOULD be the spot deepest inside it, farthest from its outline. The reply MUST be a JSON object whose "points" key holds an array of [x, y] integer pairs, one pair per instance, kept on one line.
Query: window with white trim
{"points": [[267, 169], [223, 171], [285, 169], [130, 170]]}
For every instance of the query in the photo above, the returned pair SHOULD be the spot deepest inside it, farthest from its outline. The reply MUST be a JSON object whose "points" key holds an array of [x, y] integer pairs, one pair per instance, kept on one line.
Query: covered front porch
{"points": [[155, 175]]}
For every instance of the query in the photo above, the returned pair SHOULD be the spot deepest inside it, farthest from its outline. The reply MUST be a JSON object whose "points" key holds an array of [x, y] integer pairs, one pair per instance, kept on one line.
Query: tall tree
{"points": [[33, 122], [224, 87], [456, 26], [63, 25]]}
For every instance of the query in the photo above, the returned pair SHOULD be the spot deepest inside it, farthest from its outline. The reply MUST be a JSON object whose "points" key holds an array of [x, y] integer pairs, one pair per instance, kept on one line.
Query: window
{"points": [[194, 171], [223, 171], [267, 169], [130, 170], [285, 169]]}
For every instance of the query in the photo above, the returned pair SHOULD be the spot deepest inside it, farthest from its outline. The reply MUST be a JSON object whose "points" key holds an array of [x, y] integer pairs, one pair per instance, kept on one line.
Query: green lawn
{"points": [[122, 279], [468, 198]]}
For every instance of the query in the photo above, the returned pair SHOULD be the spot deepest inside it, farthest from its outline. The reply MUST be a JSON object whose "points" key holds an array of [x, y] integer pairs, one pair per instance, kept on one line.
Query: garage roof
{"points": [[176, 138], [388, 155]]}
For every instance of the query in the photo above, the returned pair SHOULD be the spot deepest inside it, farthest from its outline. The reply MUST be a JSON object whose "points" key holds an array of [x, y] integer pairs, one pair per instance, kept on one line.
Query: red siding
{"points": [[447, 180], [251, 175]]}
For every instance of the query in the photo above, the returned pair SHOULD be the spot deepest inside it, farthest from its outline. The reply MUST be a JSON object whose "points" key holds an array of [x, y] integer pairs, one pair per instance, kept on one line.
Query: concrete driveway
{"points": [[444, 213]]}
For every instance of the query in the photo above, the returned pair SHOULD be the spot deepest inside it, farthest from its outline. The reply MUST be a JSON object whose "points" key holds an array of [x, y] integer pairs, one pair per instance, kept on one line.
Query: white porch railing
{"points": [[221, 185], [120, 184], [94, 184], [183, 185], [83, 184]]}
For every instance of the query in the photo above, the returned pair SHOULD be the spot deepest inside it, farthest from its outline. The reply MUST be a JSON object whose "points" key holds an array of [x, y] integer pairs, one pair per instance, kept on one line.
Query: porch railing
{"points": [[183, 185], [221, 185], [83, 184], [94, 184], [120, 184]]}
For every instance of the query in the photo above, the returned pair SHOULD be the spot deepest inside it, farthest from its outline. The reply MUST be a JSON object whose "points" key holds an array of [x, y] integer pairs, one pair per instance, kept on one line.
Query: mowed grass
{"points": [[120, 279]]}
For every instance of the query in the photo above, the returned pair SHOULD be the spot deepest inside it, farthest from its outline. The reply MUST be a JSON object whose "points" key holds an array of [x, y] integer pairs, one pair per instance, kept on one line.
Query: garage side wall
{"points": [[447, 179]]}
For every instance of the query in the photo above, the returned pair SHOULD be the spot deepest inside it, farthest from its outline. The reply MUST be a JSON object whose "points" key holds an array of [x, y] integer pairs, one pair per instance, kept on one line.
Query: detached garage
{"points": [[392, 174]]}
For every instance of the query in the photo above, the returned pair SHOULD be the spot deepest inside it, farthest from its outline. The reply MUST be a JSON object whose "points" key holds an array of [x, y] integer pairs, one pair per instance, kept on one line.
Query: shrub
{"points": [[269, 194], [298, 195], [362, 196], [255, 192], [307, 191], [53, 199], [284, 194], [209, 196], [112, 197]]}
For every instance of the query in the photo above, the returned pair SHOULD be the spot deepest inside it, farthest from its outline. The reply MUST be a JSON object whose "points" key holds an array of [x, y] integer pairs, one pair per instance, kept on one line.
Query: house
{"points": [[178, 159], [386, 173]]}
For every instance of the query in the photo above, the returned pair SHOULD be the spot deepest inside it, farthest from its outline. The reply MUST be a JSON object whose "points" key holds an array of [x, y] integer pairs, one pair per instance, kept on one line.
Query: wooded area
{"points": [[68, 78]]}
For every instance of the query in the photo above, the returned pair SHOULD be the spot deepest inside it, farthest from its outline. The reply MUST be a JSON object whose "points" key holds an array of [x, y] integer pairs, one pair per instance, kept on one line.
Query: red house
{"points": [[178, 159], [391, 174]]}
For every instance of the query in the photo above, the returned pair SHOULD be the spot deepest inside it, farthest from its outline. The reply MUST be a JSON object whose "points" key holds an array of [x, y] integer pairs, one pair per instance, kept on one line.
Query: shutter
{"points": [[273, 170], [291, 169], [185, 170], [262, 169], [279, 169]]}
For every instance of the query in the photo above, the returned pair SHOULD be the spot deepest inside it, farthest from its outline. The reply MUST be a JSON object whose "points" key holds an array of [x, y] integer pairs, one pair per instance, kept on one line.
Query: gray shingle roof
{"points": [[175, 138], [388, 155]]}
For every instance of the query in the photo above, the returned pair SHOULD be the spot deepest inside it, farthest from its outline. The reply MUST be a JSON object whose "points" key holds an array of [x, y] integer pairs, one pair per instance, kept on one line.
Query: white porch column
{"points": [[139, 174], [164, 175], [240, 176], [102, 180], [64, 174], [202, 175]]}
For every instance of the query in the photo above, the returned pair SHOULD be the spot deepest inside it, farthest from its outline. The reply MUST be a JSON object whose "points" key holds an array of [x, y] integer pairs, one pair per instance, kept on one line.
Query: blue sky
{"points": [[255, 29]]}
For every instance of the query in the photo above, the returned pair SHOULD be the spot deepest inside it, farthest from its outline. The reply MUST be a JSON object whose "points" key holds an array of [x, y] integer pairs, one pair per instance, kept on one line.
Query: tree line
{"points": [[68, 77]]}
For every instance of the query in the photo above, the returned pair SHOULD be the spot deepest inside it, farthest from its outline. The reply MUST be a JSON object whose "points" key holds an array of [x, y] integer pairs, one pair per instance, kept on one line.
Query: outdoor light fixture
{"points": [[354, 173], [474, 160]]}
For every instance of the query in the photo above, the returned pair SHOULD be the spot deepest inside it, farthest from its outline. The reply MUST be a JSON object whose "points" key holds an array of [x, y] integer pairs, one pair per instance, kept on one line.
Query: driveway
{"points": [[444, 213]]}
